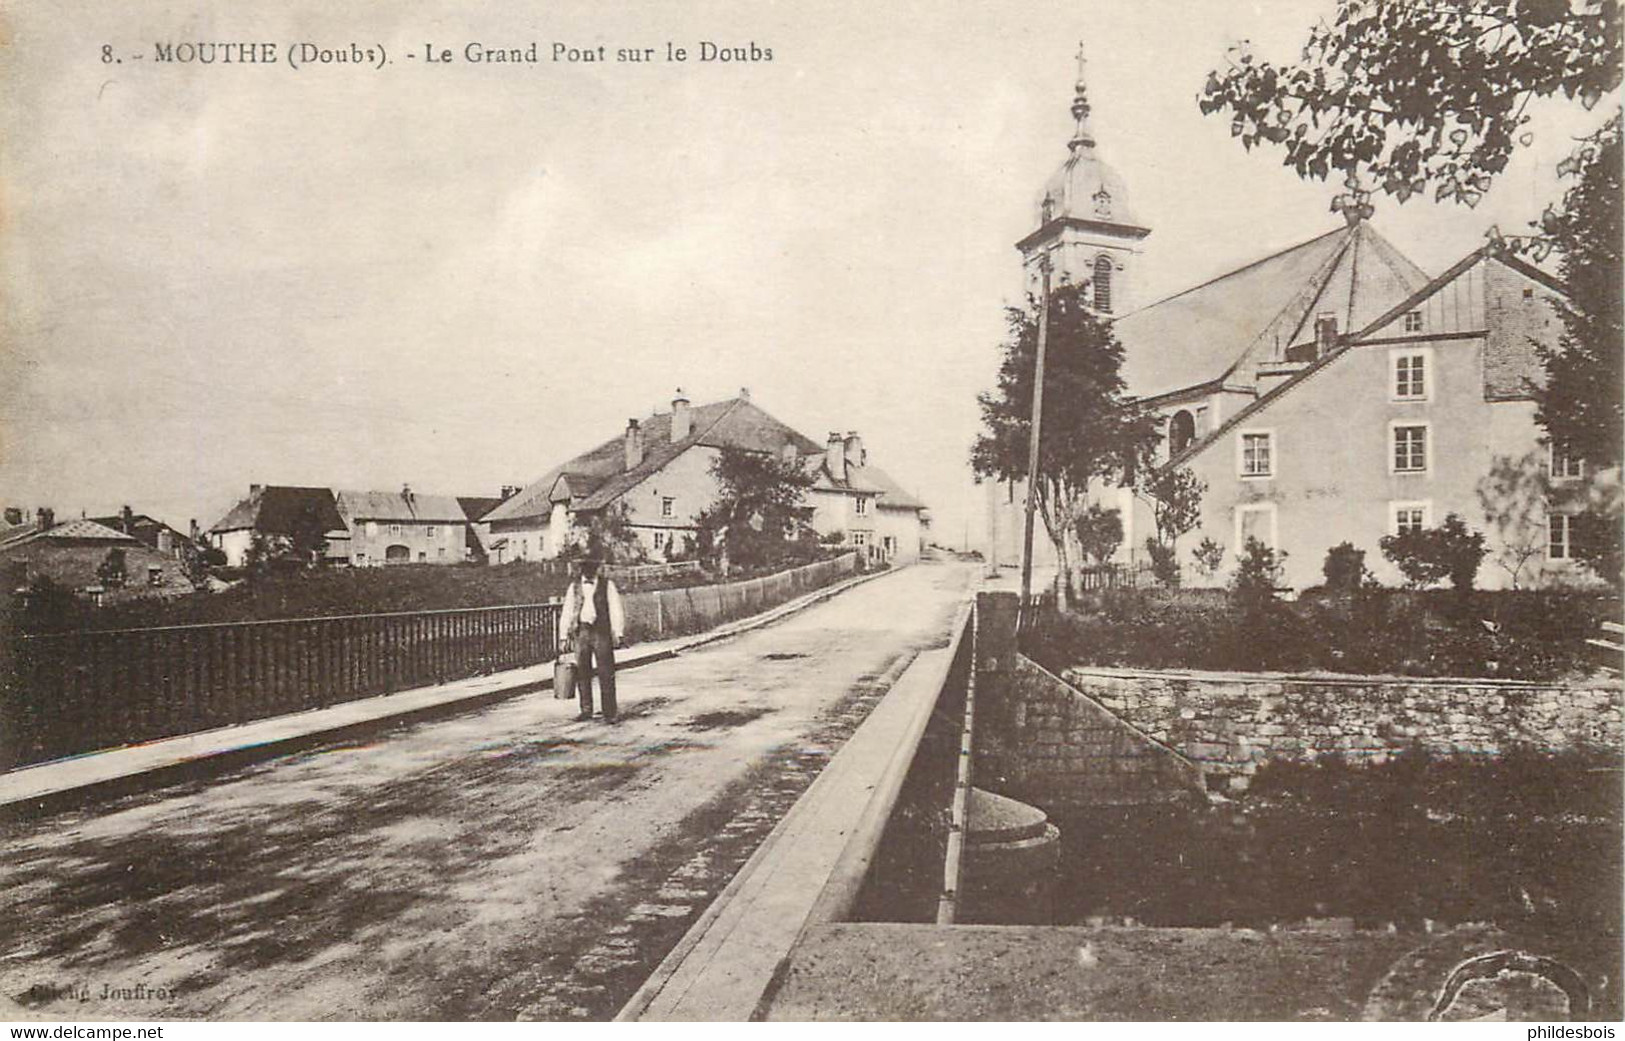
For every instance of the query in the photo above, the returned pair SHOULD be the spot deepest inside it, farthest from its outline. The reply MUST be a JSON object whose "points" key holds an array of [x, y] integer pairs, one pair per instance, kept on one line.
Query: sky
{"points": [[457, 275]]}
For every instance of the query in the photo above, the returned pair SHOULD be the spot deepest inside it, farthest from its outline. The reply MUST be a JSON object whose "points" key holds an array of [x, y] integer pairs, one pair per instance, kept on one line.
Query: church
{"points": [[1329, 392]]}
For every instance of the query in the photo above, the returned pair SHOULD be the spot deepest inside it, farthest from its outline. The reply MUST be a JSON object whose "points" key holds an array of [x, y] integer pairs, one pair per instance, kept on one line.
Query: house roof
{"points": [[599, 476], [475, 507], [889, 494], [283, 508], [1491, 251], [1254, 313], [396, 506], [80, 530]]}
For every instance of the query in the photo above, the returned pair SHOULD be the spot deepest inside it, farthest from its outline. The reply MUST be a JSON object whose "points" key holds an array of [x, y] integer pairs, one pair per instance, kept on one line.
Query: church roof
{"points": [[1222, 328], [599, 476], [1489, 253]]}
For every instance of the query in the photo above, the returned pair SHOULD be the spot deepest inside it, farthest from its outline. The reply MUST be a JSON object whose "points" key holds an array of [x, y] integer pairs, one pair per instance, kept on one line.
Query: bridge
{"points": [[500, 863]]}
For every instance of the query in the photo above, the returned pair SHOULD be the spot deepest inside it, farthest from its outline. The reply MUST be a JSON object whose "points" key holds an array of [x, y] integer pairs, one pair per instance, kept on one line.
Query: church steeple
{"points": [[1083, 136], [1085, 226]]}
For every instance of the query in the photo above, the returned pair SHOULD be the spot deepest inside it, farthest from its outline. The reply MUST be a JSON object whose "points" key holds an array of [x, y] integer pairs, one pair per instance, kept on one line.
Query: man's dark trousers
{"points": [[594, 642]]}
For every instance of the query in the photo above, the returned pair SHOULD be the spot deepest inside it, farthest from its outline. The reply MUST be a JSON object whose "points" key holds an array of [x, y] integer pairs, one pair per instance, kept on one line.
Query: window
{"points": [[1409, 516], [1559, 537], [860, 538], [1413, 321], [1181, 431], [394, 529], [668, 507], [1256, 521], [155, 575], [1410, 375], [1410, 448], [1256, 449], [660, 540], [1103, 285], [1565, 467], [430, 531], [862, 507]]}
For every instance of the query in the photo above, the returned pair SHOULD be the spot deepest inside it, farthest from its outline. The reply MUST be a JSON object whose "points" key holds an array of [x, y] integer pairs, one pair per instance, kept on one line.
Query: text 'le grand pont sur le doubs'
{"points": [[301, 54]]}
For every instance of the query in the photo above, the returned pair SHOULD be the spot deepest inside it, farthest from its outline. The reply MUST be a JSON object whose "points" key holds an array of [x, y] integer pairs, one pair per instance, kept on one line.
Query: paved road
{"points": [[507, 863]]}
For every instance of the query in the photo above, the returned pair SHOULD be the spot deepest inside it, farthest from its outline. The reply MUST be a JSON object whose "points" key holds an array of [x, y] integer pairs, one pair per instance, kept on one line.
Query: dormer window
{"points": [[1103, 203]]}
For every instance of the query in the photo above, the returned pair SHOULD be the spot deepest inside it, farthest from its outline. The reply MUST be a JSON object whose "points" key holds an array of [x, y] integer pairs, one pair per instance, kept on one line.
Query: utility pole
{"points": [[1037, 431]]}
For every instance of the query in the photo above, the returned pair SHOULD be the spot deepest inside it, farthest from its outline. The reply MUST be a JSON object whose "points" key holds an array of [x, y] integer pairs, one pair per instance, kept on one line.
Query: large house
{"points": [[303, 515], [1327, 392], [88, 558], [659, 468]]}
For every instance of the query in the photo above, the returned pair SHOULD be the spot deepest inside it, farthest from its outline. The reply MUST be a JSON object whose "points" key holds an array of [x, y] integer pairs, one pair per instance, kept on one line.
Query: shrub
{"points": [[1426, 555], [1258, 572], [1209, 557], [1164, 562], [1344, 568], [1100, 532]]}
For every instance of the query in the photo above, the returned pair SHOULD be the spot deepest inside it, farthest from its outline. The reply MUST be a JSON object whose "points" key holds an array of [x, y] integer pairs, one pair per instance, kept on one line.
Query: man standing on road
{"points": [[594, 623]]}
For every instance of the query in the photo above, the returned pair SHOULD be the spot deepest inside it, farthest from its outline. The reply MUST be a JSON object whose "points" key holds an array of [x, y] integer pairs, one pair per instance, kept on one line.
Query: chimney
{"points": [[127, 519], [254, 490], [509, 491], [634, 443], [679, 416], [406, 495], [744, 393], [14, 515], [855, 455], [192, 530], [45, 518], [835, 456], [1325, 334]]}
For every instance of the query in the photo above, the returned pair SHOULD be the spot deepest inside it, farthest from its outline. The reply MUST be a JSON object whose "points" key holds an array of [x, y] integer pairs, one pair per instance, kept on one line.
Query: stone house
{"points": [[288, 510], [77, 555], [659, 468], [859, 499], [403, 528]]}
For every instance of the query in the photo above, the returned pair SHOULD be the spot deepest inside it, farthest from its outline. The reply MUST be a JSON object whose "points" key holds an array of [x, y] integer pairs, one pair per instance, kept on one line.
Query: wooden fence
{"points": [[664, 613], [74, 692]]}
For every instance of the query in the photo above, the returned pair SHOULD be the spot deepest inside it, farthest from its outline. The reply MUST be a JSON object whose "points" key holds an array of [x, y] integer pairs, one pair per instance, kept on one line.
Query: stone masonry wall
{"points": [[1228, 724]]}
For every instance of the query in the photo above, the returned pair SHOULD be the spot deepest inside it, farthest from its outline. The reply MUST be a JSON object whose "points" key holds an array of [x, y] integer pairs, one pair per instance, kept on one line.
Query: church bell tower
{"points": [[1085, 226]]}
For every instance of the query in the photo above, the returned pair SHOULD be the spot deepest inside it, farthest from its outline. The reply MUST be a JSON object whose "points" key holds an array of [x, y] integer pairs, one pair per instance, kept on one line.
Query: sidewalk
{"points": [[45, 784]]}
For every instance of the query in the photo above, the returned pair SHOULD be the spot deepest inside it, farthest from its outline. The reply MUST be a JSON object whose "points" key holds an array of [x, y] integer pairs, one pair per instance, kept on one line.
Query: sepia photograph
{"points": [[550, 511]]}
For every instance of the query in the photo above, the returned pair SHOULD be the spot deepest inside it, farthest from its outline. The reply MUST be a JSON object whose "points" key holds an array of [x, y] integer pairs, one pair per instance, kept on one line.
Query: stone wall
{"points": [[1039, 741], [1230, 723]]}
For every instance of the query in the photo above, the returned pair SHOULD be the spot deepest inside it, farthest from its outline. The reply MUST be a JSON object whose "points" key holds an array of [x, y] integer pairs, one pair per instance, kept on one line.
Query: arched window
{"points": [[1103, 285], [1181, 431]]}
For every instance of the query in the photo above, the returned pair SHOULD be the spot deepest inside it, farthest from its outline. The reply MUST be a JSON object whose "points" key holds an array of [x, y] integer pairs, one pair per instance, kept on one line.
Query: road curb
{"points": [[22, 800]]}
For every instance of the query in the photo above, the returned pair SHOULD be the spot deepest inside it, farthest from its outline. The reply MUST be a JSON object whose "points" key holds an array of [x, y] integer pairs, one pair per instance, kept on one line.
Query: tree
{"points": [[1091, 431], [1177, 495], [1582, 404], [1408, 95], [756, 516], [607, 536], [1515, 497], [1100, 532]]}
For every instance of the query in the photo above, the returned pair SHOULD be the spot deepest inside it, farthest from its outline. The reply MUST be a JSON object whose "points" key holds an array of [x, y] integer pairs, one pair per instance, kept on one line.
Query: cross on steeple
{"points": [[1355, 203], [1082, 136]]}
